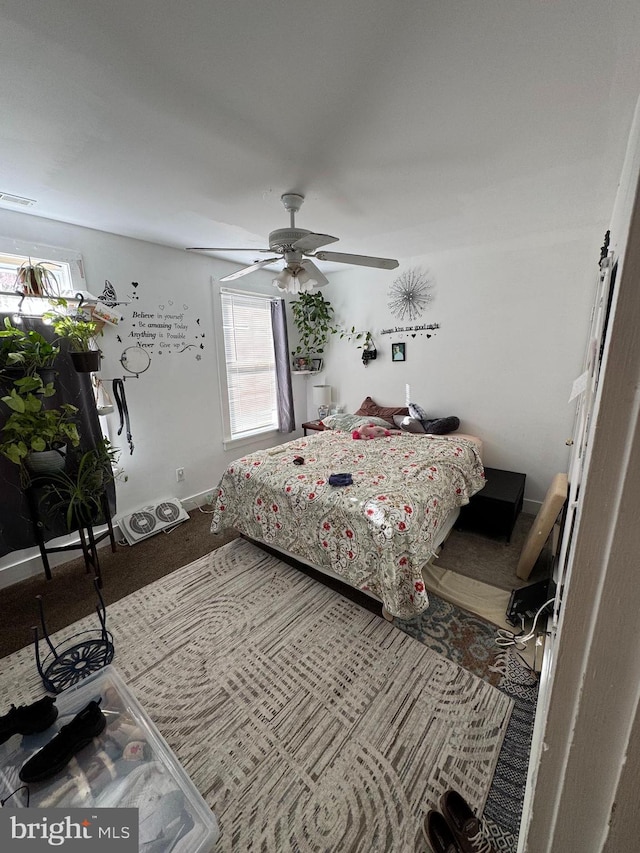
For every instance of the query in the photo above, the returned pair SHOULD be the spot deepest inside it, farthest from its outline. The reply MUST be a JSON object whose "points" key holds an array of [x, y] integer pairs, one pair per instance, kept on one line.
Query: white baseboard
{"points": [[27, 563], [201, 499], [531, 507]]}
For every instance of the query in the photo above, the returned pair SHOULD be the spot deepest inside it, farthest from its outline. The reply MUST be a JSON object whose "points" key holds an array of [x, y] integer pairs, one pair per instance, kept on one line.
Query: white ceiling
{"points": [[410, 125]]}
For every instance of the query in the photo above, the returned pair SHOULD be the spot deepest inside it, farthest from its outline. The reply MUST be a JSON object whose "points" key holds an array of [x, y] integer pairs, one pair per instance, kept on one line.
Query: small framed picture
{"points": [[398, 352], [301, 363], [316, 365]]}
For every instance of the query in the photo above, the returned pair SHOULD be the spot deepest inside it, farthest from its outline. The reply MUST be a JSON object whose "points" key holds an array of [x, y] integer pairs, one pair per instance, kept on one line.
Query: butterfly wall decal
{"points": [[109, 297]]}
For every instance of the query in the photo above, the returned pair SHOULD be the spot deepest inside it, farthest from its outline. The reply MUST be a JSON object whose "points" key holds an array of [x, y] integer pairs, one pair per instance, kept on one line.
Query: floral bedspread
{"points": [[377, 533]]}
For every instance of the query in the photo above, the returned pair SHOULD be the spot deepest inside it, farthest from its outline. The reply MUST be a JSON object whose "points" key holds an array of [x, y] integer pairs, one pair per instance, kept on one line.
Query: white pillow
{"points": [[347, 422], [418, 412]]}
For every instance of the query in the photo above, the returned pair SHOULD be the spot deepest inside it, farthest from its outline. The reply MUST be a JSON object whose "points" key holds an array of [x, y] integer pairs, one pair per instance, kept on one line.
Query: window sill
{"points": [[255, 439]]}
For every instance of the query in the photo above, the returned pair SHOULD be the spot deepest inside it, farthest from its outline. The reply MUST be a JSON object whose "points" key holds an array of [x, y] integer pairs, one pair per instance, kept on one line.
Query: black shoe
{"points": [[465, 826], [55, 755], [28, 719], [438, 834]]}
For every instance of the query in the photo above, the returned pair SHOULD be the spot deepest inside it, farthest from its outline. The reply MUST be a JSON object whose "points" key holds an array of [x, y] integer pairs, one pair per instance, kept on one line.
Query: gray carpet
{"points": [[493, 561], [306, 722]]}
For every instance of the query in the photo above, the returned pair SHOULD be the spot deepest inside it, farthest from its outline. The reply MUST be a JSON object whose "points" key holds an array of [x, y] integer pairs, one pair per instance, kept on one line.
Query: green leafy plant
{"points": [[79, 493], [37, 279], [353, 335], [76, 328], [26, 349], [31, 427], [313, 316]]}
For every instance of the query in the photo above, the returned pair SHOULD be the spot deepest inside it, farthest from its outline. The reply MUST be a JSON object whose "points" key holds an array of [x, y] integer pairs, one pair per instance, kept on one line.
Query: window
{"points": [[251, 388], [64, 266]]}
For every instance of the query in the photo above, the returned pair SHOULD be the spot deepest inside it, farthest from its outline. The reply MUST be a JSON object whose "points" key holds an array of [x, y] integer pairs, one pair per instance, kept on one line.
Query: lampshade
{"points": [[294, 281], [305, 279], [322, 395], [281, 281]]}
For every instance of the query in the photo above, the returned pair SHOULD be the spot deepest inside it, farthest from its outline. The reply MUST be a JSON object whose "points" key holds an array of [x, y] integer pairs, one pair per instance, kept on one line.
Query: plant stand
{"points": [[66, 665], [88, 538]]}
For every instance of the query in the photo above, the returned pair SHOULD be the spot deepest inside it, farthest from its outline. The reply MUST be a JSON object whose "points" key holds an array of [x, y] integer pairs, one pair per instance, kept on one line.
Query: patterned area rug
{"points": [[458, 635], [470, 642], [307, 723], [503, 809]]}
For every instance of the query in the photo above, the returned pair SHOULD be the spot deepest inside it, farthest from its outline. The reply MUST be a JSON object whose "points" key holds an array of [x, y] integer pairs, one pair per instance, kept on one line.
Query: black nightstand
{"points": [[494, 509], [313, 425]]}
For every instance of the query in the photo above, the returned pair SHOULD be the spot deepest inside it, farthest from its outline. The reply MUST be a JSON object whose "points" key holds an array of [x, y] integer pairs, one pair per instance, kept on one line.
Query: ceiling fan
{"points": [[297, 246]]}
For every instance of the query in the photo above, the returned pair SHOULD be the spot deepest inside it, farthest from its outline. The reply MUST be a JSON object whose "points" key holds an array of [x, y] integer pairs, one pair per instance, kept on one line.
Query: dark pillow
{"points": [[407, 424], [441, 426], [433, 426], [371, 409]]}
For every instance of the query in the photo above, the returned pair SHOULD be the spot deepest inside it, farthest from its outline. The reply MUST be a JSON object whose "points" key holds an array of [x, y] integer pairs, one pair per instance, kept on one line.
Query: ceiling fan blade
{"points": [[358, 260], [222, 249], [246, 270], [314, 272], [311, 242]]}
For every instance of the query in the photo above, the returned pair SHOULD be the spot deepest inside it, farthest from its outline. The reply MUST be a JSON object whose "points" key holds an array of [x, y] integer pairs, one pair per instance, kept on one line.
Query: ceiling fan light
{"points": [[294, 281], [283, 280], [305, 280]]}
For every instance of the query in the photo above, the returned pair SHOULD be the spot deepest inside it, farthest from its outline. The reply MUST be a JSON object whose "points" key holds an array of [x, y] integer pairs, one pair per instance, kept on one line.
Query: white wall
{"points": [[174, 406], [513, 323]]}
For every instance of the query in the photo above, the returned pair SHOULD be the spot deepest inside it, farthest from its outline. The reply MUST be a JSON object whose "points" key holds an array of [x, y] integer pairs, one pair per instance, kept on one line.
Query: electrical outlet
{"points": [[179, 475]]}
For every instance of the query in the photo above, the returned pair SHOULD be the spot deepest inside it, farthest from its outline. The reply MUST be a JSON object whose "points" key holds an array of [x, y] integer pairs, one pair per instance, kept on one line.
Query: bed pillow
{"points": [[418, 412], [371, 409], [407, 424], [441, 426], [347, 422]]}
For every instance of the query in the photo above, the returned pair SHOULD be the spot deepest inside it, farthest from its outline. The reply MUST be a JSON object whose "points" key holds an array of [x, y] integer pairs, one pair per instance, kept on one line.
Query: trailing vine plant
{"points": [[353, 335], [313, 316]]}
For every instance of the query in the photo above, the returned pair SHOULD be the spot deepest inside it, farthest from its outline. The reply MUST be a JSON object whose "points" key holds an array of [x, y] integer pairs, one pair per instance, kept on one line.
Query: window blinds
{"points": [[250, 363]]}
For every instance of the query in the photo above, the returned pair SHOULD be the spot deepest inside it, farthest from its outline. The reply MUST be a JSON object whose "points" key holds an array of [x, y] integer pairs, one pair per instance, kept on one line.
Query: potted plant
{"points": [[368, 347], [36, 279], [313, 318], [81, 332], [33, 437], [369, 351], [27, 352], [80, 493]]}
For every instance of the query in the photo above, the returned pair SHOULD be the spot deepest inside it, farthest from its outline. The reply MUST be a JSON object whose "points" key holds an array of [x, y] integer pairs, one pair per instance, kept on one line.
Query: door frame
{"points": [[584, 770]]}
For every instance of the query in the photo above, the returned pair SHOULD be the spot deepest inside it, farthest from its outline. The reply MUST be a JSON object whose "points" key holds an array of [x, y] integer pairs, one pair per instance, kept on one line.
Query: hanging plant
{"points": [[368, 347], [28, 350], [81, 332], [313, 318]]}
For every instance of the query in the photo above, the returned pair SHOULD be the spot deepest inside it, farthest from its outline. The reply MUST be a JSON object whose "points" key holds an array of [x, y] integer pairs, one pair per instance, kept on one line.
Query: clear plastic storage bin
{"points": [[128, 765]]}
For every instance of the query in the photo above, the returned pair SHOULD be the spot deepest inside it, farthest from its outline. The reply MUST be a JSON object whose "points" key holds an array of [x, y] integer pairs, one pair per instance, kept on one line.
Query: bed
{"points": [[375, 534]]}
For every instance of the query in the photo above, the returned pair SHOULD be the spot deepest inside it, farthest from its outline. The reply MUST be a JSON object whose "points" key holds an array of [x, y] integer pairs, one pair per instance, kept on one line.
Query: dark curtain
{"points": [[16, 525], [286, 414]]}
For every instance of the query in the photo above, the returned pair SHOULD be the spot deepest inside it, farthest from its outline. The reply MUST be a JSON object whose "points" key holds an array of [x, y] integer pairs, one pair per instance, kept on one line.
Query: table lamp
{"points": [[322, 399]]}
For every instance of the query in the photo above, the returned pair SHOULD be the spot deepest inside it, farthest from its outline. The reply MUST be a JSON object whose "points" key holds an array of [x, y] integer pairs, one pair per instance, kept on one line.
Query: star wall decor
{"points": [[410, 294]]}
